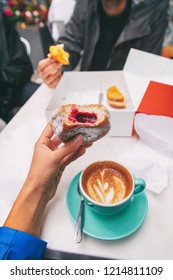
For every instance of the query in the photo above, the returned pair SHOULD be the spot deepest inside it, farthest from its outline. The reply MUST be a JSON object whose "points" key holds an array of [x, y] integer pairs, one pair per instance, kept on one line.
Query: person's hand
{"points": [[50, 72], [50, 159]]}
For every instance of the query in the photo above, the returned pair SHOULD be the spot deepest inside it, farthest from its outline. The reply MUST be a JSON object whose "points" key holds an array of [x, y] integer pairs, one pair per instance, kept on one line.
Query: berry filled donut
{"points": [[92, 121]]}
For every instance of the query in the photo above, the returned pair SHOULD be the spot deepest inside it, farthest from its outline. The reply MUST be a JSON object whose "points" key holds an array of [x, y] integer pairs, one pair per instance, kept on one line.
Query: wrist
{"points": [[34, 190], [32, 195]]}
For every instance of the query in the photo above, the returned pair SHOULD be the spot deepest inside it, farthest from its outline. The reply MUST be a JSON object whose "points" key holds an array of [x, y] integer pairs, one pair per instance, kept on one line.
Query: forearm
{"points": [[27, 212]]}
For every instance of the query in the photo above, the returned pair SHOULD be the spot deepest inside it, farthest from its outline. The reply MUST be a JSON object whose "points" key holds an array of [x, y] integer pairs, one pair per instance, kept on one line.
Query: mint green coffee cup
{"points": [[108, 187]]}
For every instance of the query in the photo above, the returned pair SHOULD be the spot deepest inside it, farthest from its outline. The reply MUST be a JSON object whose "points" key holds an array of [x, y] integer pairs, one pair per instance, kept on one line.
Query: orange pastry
{"points": [[57, 52], [115, 98]]}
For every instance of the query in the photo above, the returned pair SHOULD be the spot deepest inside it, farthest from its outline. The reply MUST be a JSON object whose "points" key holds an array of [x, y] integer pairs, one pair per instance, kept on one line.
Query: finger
{"points": [[54, 82], [50, 70], [55, 142], [47, 132], [51, 78], [56, 61], [72, 157], [88, 145], [70, 147], [44, 63]]}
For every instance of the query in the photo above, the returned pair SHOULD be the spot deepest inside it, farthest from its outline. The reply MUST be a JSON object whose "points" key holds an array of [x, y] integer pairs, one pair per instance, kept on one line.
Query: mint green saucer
{"points": [[107, 227]]}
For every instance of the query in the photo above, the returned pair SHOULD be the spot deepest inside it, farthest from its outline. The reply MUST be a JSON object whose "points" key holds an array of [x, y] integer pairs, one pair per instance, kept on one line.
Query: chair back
{"points": [[27, 45]]}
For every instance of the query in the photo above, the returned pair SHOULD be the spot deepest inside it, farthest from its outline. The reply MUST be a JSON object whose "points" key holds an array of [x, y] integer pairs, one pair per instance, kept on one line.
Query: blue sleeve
{"points": [[17, 245]]}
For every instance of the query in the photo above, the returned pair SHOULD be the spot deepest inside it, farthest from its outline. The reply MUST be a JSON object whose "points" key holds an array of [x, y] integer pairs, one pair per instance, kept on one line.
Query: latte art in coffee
{"points": [[107, 182], [105, 187]]}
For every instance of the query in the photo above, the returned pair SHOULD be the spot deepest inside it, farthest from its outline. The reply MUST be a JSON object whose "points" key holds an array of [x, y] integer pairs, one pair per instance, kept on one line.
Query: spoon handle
{"points": [[79, 224]]}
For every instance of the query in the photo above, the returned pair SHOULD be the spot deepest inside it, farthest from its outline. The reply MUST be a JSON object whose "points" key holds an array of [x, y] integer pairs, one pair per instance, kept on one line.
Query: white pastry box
{"points": [[85, 88]]}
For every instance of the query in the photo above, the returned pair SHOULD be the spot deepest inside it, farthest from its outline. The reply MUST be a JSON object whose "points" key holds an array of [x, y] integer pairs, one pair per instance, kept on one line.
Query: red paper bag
{"points": [[157, 100]]}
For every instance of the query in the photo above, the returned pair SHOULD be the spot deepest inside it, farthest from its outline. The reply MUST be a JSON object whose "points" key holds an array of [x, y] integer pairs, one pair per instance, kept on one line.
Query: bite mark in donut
{"points": [[92, 121], [81, 117]]}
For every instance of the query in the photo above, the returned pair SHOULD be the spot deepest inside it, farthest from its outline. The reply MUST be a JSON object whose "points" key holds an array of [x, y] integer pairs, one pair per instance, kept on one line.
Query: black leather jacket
{"points": [[15, 66], [144, 30]]}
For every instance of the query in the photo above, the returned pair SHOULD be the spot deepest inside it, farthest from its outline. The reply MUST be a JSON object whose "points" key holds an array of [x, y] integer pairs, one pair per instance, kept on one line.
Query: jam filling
{"points": [[82, 117]]}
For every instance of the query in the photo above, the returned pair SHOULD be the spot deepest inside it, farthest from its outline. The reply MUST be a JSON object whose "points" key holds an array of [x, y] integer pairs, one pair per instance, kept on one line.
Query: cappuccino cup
{"points": [[108, 187]]}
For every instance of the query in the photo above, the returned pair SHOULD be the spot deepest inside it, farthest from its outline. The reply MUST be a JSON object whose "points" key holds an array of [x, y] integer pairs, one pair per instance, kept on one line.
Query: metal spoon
{"points": [[79, 223]]}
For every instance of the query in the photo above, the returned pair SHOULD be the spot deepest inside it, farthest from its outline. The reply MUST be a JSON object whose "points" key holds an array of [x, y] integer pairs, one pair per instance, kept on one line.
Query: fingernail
{"points": [[79, 139]]}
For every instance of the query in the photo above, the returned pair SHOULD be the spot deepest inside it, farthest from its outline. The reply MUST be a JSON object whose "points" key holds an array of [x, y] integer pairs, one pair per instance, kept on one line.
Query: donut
{"points": [[57, 52], [115, 98], [91, 121]]}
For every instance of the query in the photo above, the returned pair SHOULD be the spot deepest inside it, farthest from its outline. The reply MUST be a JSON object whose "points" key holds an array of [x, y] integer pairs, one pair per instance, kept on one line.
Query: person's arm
{"points": [[26, 216], [154, 41], [19, 69]]}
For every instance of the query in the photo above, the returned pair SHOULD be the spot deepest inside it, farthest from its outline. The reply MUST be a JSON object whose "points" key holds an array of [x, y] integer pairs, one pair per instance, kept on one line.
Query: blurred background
{"points": [[40, 23], [30, 16]]}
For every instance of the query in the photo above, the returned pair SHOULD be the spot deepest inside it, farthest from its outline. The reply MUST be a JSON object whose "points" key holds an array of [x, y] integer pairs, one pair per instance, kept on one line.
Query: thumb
{"points": [[70, 147]]}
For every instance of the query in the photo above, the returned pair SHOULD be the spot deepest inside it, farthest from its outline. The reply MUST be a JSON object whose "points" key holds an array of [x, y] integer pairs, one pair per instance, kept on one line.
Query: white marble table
{"points": [[153, 240]]}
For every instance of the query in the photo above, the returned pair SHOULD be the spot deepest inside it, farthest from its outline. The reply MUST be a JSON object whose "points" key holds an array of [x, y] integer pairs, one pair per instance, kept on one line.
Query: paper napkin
{"points": [[152, 157]]}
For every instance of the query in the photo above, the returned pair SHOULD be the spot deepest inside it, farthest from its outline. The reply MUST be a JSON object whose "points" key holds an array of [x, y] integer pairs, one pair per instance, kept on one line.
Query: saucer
{"points": [[103, 227]]}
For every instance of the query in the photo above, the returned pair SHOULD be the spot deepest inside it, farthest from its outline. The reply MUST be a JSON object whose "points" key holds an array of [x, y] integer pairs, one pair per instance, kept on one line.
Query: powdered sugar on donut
{"points": [[92, 121]]}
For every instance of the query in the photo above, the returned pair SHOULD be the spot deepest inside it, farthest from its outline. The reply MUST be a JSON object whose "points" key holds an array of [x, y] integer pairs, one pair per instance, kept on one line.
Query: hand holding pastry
{"points": [[50, 68], [49, 160], [50, 72]]}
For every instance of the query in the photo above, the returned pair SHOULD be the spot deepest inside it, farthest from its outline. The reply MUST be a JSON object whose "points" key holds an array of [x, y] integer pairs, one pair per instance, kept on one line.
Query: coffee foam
{"points": [[106, 184]]}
